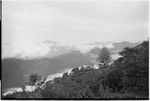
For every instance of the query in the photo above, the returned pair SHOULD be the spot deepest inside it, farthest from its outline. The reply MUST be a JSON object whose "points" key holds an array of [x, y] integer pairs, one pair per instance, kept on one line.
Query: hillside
{"points": [[12, 73], [67, 58], [14, 70], [127, 78]]}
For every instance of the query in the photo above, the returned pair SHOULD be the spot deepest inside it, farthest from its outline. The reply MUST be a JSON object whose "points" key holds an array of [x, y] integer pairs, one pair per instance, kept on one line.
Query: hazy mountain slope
{"points": [[12, 72], [12, 77], [118, 46], [53, 65]]}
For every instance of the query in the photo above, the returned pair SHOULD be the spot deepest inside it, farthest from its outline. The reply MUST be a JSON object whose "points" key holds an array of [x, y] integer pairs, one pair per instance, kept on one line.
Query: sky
{"points": [[25, 23]]}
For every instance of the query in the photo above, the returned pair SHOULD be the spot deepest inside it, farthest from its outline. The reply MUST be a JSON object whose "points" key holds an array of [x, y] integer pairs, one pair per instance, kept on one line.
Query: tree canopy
{"points": [[104, 56]]}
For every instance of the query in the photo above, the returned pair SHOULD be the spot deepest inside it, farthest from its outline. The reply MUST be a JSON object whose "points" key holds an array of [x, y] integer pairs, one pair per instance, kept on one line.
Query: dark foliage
{"points": [[104, 57], [33, 79]]}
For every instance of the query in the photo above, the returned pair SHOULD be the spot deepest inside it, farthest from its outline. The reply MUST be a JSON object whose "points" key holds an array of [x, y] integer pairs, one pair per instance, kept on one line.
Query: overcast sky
{"points": [[25, 23]]}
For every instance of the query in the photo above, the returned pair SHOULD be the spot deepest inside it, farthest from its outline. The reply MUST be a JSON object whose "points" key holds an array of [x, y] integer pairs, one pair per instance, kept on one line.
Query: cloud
{"points": [[27, 23]]}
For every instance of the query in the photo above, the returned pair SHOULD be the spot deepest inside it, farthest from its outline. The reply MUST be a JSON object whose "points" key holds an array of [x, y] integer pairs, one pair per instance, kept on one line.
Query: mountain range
{"points": [[60, 57]]}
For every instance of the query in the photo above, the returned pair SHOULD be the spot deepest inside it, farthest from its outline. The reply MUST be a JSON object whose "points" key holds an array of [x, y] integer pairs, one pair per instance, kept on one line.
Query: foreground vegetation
{"points": [[126, 77]]}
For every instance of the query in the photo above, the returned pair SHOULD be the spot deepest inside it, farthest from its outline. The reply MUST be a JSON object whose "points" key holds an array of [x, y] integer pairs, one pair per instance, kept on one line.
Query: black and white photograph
{"points": [[74, 49]]}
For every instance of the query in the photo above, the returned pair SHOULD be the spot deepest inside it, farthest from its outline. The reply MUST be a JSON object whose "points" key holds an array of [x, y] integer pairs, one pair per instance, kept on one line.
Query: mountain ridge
{"points": [[52, 49], [44, 65]]}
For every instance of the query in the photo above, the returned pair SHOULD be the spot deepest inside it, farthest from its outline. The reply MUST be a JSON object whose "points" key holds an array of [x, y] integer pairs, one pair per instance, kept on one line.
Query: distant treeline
{"points": [[126, 77]]}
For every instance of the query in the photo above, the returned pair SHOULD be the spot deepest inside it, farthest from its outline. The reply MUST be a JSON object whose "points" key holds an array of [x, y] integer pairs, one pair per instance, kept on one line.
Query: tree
{"points": [[33, 79], [134, 65], [104, 57]]}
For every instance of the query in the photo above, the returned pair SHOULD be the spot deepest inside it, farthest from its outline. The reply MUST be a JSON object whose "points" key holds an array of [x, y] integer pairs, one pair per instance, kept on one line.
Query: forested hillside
{"points": [[48, 65], [126, 77]]}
